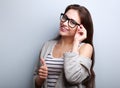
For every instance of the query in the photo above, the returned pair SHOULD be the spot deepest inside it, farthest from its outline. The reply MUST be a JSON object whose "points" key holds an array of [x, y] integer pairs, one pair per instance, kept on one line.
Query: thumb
{"points": [[43, 61]]}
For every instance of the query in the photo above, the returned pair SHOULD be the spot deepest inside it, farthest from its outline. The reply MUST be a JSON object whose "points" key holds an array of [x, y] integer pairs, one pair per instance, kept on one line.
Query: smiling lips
{"points": [[63, 29]]}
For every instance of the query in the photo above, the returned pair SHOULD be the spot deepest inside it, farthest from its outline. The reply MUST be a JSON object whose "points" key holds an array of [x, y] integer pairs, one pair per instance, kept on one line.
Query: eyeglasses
{"points": [[71, 23]]}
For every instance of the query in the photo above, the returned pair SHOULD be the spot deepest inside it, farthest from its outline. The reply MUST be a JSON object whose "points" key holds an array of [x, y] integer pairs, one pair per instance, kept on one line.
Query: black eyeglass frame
{"points": [[62, 14]]}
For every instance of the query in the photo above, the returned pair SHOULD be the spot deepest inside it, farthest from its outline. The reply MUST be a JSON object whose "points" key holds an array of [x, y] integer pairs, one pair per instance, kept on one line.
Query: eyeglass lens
{"points": [[71, 22]]}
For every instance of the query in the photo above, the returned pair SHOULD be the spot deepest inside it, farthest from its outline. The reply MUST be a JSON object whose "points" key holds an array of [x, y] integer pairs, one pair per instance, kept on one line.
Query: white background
{"points": [[26, 24]]}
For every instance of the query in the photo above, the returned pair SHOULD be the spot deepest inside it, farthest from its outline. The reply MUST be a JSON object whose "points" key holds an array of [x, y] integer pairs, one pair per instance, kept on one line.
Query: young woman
{"points": [[68, 60]]}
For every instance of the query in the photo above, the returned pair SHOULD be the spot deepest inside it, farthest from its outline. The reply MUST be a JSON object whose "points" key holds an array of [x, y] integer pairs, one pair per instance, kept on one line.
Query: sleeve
{"points": [[35, 73], [38, 64], [44, 51], [76, 67]]}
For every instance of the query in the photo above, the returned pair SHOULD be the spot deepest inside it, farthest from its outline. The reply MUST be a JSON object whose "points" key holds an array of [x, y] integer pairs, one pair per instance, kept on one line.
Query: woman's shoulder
{"points": [[47, 47], [85, 45], [50, 42], [86, 50]]}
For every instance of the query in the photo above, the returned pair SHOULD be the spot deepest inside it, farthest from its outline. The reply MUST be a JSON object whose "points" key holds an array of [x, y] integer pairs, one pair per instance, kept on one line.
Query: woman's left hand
{"points": [[81, 34]]}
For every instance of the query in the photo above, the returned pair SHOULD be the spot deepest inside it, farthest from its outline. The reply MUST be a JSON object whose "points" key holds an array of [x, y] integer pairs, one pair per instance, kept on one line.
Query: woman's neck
{"points": [[66, 41]]}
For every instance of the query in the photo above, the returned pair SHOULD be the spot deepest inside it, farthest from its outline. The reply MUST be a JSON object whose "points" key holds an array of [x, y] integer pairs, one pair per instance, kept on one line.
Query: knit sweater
{"points": [[76, 68]]}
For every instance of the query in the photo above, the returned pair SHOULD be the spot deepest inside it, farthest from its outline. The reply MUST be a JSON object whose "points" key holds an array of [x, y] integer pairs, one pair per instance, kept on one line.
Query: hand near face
{"points": [[81, 34]]}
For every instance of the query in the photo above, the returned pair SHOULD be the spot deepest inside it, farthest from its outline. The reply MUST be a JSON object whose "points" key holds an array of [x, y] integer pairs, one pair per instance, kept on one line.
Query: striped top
{"points": [[55, 67]]}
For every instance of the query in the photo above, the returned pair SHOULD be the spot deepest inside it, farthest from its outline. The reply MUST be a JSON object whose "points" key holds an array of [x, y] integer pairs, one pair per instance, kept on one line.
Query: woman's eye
{"points": [[72, 22]]}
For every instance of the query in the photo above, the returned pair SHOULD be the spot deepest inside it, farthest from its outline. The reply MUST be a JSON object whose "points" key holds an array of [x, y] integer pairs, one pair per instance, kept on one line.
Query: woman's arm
{"points": [[37, 80], [35, 75], [77, 64]]}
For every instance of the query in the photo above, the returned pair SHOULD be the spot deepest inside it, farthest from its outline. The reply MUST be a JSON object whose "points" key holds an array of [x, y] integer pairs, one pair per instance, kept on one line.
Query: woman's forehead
{"points": [[73, 14]]}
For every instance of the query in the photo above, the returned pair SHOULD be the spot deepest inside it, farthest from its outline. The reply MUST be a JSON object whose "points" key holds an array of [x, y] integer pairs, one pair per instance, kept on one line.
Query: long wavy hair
{"points": [[87, 22]]}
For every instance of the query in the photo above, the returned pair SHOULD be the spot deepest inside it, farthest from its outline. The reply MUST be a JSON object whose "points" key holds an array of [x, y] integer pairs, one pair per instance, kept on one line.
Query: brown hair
{"points": [[86, 21]]}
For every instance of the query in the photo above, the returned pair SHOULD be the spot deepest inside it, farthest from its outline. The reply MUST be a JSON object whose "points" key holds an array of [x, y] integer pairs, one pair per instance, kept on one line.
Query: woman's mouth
{"points": [[63, 29]]}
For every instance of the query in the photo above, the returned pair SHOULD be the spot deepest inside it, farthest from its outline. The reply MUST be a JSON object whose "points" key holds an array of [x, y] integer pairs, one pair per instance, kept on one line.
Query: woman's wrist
{"points": [[75, 46], [38, 82]]}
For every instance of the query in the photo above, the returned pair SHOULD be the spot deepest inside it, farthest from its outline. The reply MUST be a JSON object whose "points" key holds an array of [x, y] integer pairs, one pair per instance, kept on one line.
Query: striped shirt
{"points": [[55, 66]]}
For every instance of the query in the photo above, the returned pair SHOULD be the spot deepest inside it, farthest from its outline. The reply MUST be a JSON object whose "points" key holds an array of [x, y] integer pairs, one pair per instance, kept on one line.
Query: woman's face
{"points": [[69, 23]]}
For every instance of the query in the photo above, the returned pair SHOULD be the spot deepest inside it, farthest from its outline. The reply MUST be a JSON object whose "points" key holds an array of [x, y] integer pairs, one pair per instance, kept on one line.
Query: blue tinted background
{"points": [[26, 24]]}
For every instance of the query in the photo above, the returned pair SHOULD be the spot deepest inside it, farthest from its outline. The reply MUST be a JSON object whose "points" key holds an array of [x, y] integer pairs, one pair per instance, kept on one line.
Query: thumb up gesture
{"points": [[43, 71]]}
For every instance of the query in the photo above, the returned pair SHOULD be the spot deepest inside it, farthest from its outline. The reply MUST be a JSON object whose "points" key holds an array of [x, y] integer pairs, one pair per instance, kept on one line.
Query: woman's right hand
{"points": [[43, 71], [42, 74]]}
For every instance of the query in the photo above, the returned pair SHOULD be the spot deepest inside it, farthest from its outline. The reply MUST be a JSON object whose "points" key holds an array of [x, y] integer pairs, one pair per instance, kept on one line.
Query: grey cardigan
{"points": [[76, 68]]}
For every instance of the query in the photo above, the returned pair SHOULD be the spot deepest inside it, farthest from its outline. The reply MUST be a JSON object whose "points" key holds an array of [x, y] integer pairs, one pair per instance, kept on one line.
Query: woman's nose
{"points": [[65, 23]]}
